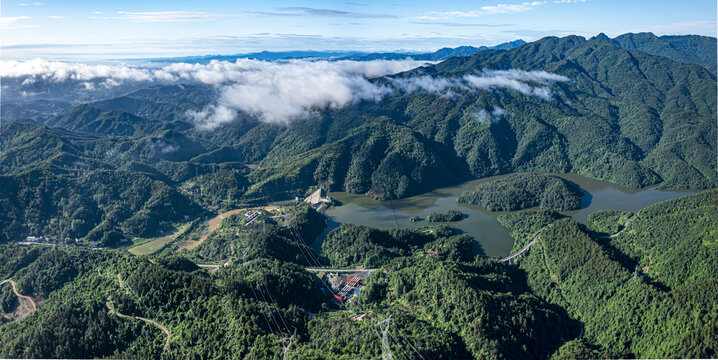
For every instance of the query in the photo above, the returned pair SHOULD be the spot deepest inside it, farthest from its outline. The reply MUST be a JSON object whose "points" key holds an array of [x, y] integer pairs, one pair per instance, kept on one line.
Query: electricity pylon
{"points": [[384, 327], [286, 344]]}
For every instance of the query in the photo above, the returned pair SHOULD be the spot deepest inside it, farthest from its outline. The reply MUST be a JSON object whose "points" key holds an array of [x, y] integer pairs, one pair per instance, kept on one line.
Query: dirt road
{"points": [[27, 304], [214, 224], [108, 304]]}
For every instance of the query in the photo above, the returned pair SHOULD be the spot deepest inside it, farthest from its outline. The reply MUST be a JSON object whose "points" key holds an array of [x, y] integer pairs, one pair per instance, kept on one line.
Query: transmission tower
{"points": [[384, 327], [286, 344], [245, 253]]}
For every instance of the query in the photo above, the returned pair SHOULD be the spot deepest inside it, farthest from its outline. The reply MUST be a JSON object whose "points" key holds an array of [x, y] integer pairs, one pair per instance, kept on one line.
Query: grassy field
{"points": [[154, 245]]}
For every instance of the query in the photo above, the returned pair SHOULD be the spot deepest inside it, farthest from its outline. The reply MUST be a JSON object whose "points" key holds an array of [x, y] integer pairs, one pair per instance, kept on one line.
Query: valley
{"points": [[546, 199]]}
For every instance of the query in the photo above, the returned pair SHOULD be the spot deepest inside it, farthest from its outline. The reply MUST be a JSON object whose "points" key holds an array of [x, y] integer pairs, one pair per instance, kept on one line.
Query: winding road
{"points": [[536, 238], [623, 228], [108, 304], [526, 247], [27, 304]]}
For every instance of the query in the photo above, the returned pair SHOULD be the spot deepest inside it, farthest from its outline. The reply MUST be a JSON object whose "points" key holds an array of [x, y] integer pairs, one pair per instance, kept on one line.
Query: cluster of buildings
{"points": [[344, 287], [38, 240], [47, 240], [251, 216]]}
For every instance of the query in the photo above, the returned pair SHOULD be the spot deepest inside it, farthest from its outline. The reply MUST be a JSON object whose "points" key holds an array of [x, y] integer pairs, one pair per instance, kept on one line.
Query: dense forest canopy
{"points": [[573, 294], [611, 112], [523, 191], [225, 267]]}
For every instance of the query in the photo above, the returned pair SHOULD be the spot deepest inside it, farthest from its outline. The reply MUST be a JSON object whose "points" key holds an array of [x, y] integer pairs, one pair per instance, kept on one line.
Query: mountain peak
{"points": [[601, 36]]}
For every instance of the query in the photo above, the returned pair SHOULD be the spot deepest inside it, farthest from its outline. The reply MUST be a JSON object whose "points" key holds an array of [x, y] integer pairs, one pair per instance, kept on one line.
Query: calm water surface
{"points": [[492, 239]]}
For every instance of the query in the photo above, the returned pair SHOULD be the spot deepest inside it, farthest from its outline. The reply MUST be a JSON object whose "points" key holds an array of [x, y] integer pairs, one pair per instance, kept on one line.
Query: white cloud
{"points": [[569, 1], [178, 16], [484, 10], [511, 8], [60, 71], [192, 16], [272, 91], [484, 116], [55, 17], [98, 12], [7, 21], [37, 3], [277, 92], [524, 82], [697, 27]]}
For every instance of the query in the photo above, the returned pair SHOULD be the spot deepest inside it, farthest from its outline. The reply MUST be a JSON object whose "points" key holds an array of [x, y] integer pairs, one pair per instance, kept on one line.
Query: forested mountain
{"points": [[523, 191], [136, 166], [654, 281], [438, 55], [619, 115], [573, 294], [694, 49], [625, 117]]}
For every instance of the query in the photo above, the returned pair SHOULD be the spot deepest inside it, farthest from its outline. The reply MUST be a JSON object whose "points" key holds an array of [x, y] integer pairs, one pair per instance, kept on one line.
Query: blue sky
{"points": [[76, 29]]}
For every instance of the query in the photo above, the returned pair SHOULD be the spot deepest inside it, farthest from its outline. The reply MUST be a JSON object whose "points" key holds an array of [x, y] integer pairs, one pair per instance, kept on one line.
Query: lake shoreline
{"points": [[492, 238]]}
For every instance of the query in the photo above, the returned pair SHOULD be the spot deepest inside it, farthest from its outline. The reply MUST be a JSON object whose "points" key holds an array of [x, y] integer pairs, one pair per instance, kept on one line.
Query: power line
{"points": [[300, 241], [276, 304], [286, 344], [383, 325], [294, 233], [264, 313], [266, 319], [263, 282], [408, 342]]}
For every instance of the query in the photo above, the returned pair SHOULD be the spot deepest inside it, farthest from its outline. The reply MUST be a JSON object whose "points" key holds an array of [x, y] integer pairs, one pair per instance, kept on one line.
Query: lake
{"points": [[480, 224]]}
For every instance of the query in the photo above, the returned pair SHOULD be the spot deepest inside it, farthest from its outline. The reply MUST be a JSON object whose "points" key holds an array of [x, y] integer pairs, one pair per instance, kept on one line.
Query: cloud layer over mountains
{"points": [[277, 92], [517, 80]]}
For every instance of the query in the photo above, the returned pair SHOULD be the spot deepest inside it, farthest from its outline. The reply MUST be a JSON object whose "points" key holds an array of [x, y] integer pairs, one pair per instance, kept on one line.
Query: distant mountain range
{"points": [[693, 49], [441, 54], [624, 116]]}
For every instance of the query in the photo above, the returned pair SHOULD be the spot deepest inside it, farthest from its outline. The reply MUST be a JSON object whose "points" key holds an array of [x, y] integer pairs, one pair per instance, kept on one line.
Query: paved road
{"points": [[536, 238], [339, 270], [526, 247], [625, 226]]}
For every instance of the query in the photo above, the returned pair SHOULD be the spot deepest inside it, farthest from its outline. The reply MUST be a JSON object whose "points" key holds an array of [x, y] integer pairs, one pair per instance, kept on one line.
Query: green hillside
{"points": [[572, 295], [648, 292], [625, 117], [523, 191], [694, 49]]}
